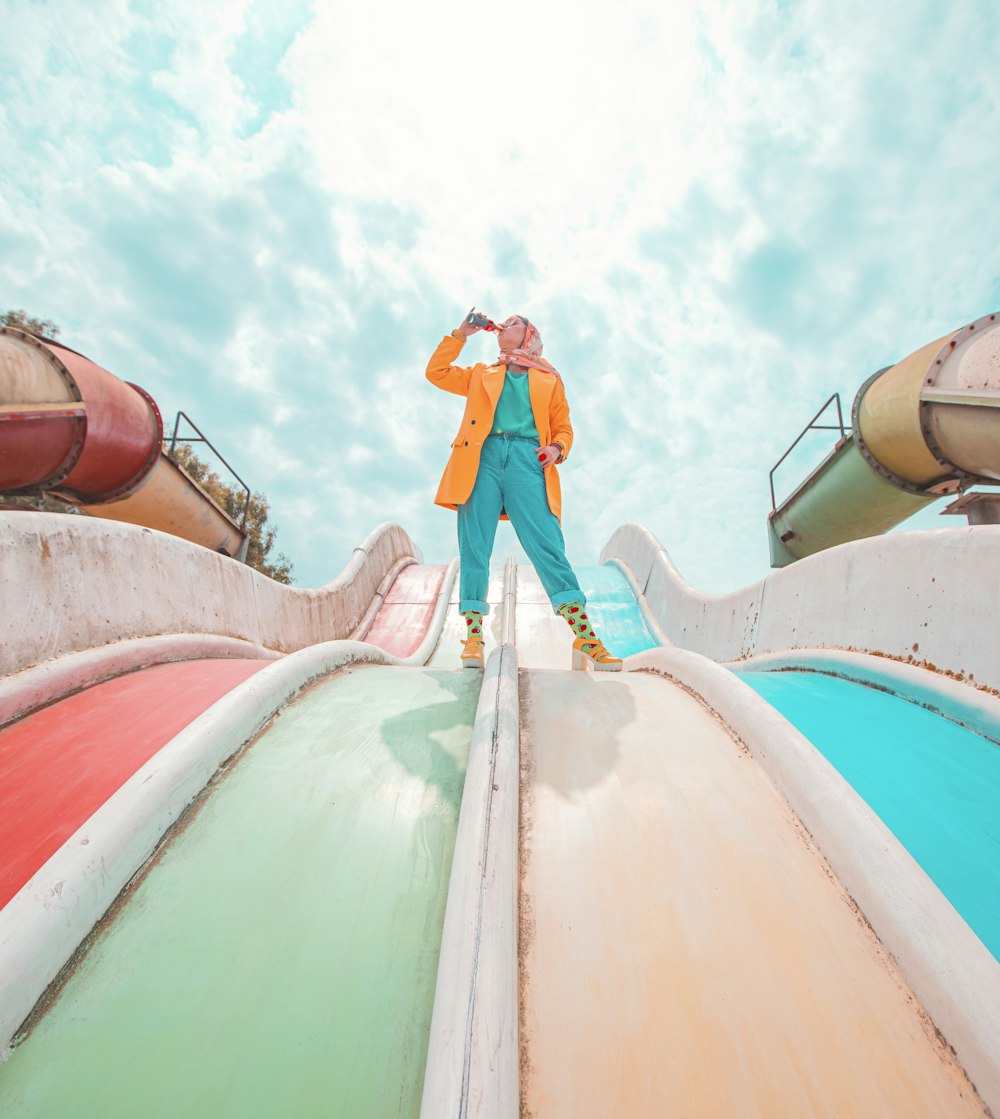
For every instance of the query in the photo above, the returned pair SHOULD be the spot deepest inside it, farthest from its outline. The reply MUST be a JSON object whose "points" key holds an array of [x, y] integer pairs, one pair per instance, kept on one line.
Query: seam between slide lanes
{"points": [[473, 1055], [46, 921], [947, 966], [510, 602]]}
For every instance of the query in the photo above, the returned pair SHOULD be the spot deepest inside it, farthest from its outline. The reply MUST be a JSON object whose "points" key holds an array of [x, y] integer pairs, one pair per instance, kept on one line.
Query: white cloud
{"points": [[717, 213]]}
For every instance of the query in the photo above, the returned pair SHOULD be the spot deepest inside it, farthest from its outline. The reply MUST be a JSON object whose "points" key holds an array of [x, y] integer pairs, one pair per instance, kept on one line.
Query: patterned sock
{"points": [[473, 625], [575, 614]]}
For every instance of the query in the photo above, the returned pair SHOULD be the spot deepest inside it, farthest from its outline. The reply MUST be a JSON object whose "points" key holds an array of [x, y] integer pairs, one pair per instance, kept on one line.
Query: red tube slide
{"points": [[68, 424]]}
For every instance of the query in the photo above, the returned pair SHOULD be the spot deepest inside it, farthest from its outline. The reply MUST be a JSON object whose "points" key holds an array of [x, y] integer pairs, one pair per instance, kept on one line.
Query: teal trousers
{"points": [[510, 478]]}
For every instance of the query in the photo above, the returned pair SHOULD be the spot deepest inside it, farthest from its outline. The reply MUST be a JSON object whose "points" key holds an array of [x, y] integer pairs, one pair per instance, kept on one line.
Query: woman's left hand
{"points": [[547, 455]]}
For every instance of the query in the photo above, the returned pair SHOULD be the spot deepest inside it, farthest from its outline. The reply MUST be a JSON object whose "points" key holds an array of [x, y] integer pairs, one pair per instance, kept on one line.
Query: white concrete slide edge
{"points": [[42, 684], [45, 683], [75, 583], [473, 1069], [977, 711], [358, 634], [656, 631], [947, 966], [933, 594]]}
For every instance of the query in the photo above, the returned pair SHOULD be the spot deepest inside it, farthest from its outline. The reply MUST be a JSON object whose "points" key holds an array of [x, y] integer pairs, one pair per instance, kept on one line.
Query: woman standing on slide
{"points": [[515, 431]]}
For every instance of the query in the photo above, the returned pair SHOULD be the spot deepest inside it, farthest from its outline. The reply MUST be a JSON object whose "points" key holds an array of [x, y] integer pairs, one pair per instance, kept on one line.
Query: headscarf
{"points": [[529, 352]]}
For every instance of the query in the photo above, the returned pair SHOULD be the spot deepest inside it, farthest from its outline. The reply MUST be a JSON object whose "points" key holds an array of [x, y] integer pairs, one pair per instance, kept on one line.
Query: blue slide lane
{"points": [[612, 608], [934, 784]]}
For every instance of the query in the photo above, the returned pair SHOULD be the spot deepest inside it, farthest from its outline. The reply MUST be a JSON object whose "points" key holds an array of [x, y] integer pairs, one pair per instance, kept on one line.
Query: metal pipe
{"points": [[171, 501], [923, 428]]}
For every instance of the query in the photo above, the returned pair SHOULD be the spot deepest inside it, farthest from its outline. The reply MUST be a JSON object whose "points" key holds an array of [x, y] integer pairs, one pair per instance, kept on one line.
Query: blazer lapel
{"points": [[540, 393], [493, 377]]}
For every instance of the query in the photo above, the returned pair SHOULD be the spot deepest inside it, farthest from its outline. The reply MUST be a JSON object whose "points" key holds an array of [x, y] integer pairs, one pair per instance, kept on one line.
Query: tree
{"points": [[261, 532], [21, 320], [40, 502]]}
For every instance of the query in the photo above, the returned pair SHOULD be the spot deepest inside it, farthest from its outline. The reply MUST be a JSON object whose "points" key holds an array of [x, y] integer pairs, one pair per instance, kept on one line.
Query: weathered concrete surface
{"points": [[52, 913], [685, 949], [926, 598], [70, 583], [544, 640]]}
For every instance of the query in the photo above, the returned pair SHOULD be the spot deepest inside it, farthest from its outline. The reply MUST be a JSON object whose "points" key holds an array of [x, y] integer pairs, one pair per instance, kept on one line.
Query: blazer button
{"points": [[466, 443], [473, 421]]}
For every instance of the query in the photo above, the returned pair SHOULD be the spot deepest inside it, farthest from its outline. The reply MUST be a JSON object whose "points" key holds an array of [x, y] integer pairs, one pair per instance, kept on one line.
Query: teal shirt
{"points": [[513, 415]]}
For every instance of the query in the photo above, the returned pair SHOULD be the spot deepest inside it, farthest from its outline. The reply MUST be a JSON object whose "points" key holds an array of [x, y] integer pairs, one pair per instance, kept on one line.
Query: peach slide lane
{"points": [[60, 764], [685, 950]]}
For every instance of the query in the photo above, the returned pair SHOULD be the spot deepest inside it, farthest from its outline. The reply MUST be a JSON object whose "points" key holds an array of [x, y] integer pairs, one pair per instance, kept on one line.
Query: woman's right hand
{"points": [[465, 327]]}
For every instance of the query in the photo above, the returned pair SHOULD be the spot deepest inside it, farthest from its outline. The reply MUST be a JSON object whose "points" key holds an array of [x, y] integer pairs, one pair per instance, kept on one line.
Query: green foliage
{"points": [[41, 503], [261, 532], [21, 320]]}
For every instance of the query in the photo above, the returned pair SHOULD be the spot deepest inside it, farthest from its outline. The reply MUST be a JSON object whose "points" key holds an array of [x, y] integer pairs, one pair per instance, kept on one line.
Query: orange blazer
{"points": [[481, 385]]}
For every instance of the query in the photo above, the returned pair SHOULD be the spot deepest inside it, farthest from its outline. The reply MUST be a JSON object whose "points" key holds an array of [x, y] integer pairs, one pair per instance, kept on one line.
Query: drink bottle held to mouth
{"points": [[480, 320]]}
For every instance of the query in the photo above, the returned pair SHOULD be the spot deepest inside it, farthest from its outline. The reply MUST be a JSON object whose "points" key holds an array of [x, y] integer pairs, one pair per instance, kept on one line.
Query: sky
{"points": [[717, 213]]}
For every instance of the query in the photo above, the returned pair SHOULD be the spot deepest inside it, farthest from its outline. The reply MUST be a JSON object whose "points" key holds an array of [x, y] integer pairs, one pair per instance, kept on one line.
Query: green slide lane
{"points": [[280, 957]]}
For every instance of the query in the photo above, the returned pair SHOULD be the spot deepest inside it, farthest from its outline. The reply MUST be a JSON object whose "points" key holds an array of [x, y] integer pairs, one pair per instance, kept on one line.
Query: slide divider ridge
{"points": [[473, 1069]]}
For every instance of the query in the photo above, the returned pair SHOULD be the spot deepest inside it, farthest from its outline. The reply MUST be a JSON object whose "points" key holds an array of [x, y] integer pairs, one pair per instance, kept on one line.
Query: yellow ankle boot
{"points": [[592, 654]]}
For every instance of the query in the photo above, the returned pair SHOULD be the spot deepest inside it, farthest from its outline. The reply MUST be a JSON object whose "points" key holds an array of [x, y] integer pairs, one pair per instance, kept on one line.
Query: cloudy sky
{"points": [[717, 212]]}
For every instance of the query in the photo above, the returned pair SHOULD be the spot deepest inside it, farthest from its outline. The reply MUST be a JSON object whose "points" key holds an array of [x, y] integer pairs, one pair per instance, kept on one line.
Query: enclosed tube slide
{"points": [[69, 427], [920, 429]]}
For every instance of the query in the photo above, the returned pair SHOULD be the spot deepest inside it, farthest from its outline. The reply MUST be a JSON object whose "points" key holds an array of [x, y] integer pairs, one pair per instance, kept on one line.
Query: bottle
{"points": [[480, 320]]}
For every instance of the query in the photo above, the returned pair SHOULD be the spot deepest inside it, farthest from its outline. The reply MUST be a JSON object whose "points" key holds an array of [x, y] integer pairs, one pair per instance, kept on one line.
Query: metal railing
{"points": [[812, 425], [202, 438]]}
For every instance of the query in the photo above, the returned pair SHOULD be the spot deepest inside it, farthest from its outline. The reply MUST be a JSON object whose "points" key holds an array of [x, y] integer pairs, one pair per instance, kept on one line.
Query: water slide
{"points": [[303, 880], [685, 949], [268, 851]]}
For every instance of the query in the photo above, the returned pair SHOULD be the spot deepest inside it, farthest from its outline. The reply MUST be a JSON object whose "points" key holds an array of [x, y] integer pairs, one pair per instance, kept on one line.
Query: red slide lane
{"points": [[60, 764], [400, 625]]}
